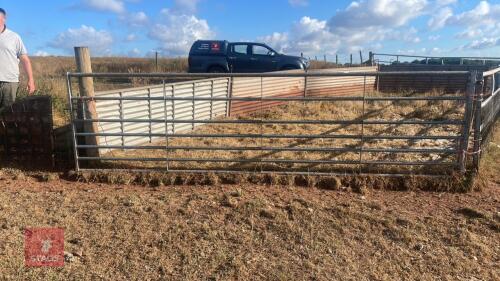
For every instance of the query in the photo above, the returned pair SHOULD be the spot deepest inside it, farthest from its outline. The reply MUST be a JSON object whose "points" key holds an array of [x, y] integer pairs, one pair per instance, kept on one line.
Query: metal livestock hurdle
{"points": [[262, 139], [486, 109]]}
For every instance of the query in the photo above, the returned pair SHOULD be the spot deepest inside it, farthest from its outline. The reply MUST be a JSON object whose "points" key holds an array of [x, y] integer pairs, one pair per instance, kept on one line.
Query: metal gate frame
{"points": [[460, 151]]}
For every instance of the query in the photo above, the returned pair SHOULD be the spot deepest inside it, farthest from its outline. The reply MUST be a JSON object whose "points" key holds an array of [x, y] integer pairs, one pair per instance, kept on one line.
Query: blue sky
{"points": [[314, 27]]}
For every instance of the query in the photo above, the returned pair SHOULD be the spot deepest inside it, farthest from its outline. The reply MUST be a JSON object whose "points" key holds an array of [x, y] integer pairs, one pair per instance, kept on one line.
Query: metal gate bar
{"points": [[363, 121]]}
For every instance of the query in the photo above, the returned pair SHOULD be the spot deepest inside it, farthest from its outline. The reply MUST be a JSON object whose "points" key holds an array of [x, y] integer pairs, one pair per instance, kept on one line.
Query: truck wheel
{"points": [[216, 69]]}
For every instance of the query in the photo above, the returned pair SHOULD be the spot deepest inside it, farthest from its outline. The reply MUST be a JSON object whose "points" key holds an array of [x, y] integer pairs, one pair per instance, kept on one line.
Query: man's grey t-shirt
{"points": [[11, 49]]}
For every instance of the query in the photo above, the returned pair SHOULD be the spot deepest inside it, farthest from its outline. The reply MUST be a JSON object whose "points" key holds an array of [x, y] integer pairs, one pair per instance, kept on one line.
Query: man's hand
{"points": [[29, 72], [31, 87]]}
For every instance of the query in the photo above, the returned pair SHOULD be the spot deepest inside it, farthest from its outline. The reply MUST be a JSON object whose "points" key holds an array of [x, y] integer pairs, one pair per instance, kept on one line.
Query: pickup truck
{"points": [[239, 57]]}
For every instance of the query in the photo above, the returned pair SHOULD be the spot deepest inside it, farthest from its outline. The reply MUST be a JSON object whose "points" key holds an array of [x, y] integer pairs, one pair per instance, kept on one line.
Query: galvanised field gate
{"points": [[348, 128]]}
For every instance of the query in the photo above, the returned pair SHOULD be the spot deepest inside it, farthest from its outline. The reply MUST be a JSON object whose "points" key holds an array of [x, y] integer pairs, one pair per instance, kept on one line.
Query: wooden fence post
{"points": [[86, 85]]}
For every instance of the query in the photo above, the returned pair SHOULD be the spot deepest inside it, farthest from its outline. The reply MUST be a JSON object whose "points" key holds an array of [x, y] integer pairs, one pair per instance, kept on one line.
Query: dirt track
{"points": [[252, 232]]}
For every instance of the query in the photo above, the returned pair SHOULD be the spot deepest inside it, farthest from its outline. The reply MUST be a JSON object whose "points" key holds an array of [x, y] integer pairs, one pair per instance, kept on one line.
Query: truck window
{"points": [[240, 49], [261, 51]]}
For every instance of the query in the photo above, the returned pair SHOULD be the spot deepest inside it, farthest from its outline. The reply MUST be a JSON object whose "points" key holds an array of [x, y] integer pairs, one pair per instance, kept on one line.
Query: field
{"points": [[50, 76], [136, 227], [227, 232]]}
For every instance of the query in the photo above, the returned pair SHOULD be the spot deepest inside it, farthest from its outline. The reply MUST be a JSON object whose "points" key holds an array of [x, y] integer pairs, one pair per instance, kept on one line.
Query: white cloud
{"points": [[134, 53], [138, 19], [480, 24], [298, 3], [115, 6], [41, 53], [361, 24], [188, 6], [440, 19], [378, 13], [99, 41], [445, 2], [176, 32], [434, 37], [131, 37], [485, 17], [483, 43]]}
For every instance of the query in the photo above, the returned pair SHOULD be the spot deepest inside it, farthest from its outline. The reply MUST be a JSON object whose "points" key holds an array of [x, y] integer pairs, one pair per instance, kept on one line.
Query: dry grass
{"points": [[249, 232], [50, 73], [490, 164], [252, 232], [423, 111]]}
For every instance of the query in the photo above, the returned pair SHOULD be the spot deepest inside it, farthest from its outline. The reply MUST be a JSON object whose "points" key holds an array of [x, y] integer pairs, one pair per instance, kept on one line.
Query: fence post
{"points": [[86, 85], [468, 115], [478, 100]]}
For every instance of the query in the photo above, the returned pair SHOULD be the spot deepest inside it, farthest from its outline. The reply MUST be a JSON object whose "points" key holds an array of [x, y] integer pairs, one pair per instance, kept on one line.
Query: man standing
{"points": [[12, 51]]}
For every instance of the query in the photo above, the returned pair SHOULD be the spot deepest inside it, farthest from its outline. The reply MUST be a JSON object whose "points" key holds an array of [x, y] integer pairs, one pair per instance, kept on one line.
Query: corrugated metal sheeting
{"points": [[185, 110], [426, 83], [341, 86], [295, 87]]}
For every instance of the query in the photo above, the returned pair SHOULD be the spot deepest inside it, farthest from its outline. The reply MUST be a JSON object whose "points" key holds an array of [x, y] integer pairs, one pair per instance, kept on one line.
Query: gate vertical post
{"points": [[73, 126], [194, 103], [122, 126], [86, 85], [478, 100], [150, 116], [173, 109], [229, 102], [305, 85], [468, 115], [212, 100]]}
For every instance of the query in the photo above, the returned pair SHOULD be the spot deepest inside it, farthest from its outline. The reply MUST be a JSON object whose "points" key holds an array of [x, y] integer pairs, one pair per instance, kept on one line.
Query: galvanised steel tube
{"points": [[264, 75], [73, 126], [295, 173], [258, 121], [304, 149], [386, 137], [258, 99], [290, 161], [431, 57]]}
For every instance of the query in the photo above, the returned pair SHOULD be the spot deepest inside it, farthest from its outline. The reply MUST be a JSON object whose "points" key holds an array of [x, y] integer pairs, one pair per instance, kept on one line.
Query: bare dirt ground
{"points": [[250, 232]]}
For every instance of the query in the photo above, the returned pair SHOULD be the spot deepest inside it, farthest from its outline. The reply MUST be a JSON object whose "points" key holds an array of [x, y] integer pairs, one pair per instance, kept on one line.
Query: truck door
{"points": [[239, 58], [263, 59]]}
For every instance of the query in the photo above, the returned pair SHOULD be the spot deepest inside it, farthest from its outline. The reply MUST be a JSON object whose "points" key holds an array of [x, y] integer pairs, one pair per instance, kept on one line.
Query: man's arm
{"points": [[29, 72]]}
